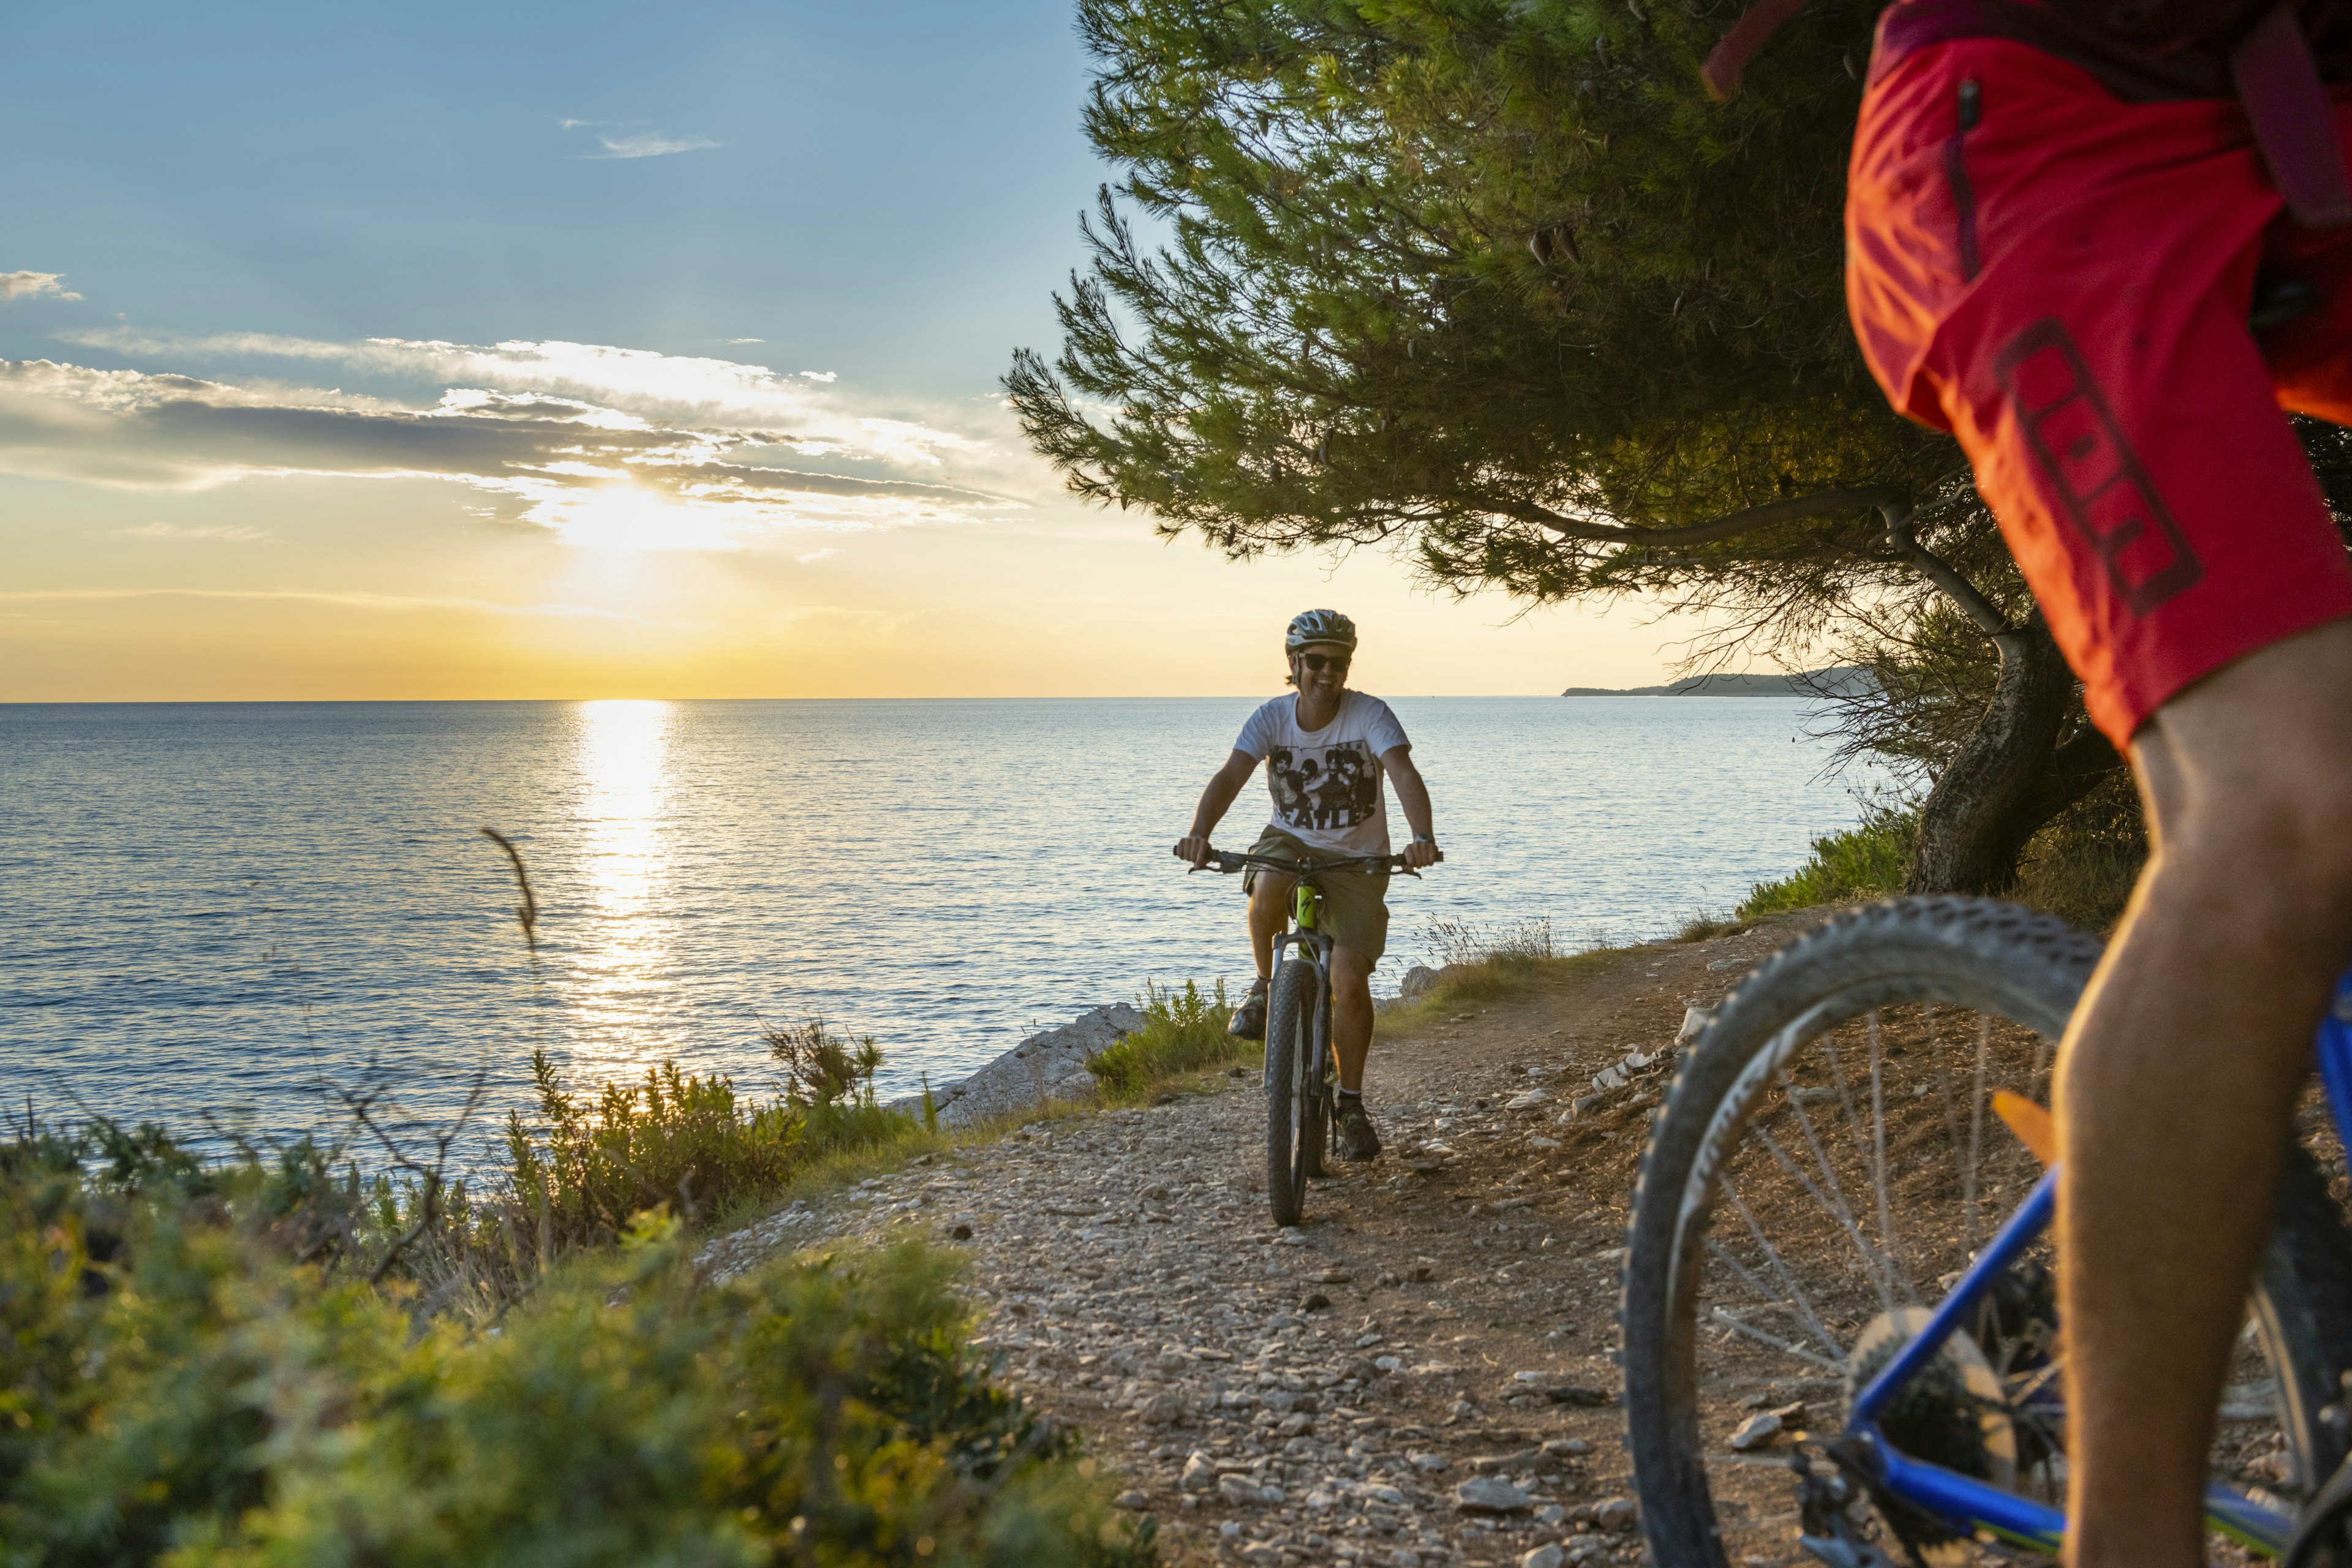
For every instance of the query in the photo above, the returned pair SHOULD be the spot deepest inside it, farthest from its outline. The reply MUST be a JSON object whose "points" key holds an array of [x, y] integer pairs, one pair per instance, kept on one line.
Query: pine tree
{"points": [[1494, 282]]}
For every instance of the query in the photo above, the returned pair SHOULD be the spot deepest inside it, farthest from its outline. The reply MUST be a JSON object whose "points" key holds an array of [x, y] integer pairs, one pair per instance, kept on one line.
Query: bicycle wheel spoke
{"points": [[1836, 1210], [1976, 1137], [1778, 1343], [1878, 1165], [1795, 1298]]}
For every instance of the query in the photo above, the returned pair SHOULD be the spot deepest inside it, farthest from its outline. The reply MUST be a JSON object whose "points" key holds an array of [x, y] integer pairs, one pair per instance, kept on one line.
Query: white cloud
{"points": [[226, 533], [34, 286], [624, 141], [593, 473], [642, 143], [747, 339], [801, 411], [816, 556]]}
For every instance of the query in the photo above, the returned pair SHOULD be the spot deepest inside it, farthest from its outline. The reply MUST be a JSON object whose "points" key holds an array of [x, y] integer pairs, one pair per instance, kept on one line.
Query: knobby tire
{"points": [[1996, 958], [1289, 1043]]}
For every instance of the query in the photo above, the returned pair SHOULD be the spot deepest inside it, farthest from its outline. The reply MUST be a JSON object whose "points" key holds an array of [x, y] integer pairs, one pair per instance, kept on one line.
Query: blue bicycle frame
{"points": [[1969, 1504]]}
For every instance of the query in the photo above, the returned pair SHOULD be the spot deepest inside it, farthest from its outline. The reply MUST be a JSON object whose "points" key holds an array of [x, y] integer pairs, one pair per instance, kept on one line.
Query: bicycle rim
{"points": [[1829, 1158]]}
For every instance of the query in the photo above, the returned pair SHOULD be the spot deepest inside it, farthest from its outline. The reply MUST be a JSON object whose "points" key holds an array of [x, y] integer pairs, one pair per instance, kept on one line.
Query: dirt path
{"points": [[1446, 1315]]}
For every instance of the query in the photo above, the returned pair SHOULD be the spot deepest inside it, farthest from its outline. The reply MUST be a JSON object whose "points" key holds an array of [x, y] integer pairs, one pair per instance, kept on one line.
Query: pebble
{"points": [[1548, 1556], [1490, 1494]]}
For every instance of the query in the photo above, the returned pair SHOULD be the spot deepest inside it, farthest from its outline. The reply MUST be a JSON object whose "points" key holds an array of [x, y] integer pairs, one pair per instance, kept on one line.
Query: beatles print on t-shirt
{"points": [[1324, 786]]}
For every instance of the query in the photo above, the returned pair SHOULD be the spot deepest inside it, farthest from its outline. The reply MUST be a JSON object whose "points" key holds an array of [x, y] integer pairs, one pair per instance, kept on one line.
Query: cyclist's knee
{"points": [[1271, 890], [2280, 842]]}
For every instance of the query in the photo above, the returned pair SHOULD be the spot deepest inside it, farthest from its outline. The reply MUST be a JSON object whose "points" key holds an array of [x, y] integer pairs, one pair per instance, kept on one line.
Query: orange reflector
{"points": [[2034, 1126]]}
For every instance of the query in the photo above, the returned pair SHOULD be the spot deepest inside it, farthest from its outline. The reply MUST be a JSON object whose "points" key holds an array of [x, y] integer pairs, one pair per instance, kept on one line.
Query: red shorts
{"points": [[2065, 288]]}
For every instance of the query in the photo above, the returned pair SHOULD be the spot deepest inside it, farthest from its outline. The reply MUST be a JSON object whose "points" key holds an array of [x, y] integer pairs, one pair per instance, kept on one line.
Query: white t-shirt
{"points": [[1327, 784]]}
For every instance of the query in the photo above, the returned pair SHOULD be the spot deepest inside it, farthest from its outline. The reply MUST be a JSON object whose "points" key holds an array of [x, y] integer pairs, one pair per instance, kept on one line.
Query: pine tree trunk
{"points": [[1992, 796]]}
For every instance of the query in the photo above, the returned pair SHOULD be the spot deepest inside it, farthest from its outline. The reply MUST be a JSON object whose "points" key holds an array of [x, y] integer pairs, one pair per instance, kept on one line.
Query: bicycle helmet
{"points": [[1319, 627]]}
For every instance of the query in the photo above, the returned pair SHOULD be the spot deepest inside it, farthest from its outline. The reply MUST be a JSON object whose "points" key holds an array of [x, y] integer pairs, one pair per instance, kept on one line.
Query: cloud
{"points": [[592, 473], [649, 145], [34, 286], [747, 339], [800, 411], [816, 556], [227, 533], [622, 142]]}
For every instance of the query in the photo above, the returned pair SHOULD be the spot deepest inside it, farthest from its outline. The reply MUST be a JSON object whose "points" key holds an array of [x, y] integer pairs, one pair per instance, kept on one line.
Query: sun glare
{"points": [[623, 750], [625, 519]]}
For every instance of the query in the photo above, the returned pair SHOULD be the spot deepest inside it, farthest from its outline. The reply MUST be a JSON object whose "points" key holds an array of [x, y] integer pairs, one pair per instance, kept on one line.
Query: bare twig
{"points": [[527, 910]]}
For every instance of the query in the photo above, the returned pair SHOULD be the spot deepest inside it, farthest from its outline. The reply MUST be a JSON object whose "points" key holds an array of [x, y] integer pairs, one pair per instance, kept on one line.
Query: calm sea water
{"points": [[217, 915]]}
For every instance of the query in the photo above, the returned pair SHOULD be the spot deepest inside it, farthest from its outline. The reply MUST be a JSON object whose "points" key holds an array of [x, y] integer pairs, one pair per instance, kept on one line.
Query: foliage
{"points": [[1494, 277], [675, 1139], [179, 1390], [2082, 867], [1184, 1031], [1863, 862], [1463, 941]]}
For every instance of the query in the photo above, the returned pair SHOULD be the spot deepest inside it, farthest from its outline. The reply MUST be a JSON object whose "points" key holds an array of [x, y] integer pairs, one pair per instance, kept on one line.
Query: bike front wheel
{"points": [[1292, 1153], [1828, 1161]]}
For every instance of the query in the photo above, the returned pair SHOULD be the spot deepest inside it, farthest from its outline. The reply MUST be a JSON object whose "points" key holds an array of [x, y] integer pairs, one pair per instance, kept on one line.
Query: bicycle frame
{"points": [[1969, 1504]]}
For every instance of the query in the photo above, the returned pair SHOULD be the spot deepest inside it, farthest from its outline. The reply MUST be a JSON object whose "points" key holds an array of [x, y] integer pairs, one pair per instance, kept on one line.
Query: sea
{"points": [[235, 919]]}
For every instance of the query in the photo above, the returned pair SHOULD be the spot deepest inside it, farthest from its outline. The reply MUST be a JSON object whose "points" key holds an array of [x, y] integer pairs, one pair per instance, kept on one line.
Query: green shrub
{"points": [[1864, 862], [1182, 1032], [176, 1389], [675, 1141]]}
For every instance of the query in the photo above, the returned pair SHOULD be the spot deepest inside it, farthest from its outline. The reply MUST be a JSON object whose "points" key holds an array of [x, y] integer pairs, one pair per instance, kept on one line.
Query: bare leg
{"points": [[1269, 917], [1351, 1015], [2179, 1073]]}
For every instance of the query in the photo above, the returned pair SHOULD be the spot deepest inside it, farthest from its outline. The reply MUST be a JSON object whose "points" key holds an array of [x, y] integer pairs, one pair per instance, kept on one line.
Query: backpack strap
{"points": [[2270, 70], [2294, 123]]}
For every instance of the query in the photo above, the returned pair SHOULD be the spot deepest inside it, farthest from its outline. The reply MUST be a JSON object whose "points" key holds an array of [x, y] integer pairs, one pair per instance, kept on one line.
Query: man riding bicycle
{"points": [[2056, 239], [1320, 748]]}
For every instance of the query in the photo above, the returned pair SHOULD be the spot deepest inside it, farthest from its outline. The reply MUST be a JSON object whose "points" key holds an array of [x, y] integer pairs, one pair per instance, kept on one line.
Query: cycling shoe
{"points": [[1352, 1130], [1249, 1018]]}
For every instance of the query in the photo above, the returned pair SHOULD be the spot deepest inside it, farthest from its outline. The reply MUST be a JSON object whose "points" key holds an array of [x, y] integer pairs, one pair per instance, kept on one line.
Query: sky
{"points": [[532, 352]]}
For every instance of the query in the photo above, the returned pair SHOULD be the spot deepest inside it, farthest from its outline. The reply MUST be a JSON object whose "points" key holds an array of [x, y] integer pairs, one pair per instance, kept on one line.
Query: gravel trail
{"points": [[1421, 1373]]}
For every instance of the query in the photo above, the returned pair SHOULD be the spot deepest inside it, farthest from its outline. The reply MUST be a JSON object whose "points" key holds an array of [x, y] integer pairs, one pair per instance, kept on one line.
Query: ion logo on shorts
{"points": [[2093, 475]]}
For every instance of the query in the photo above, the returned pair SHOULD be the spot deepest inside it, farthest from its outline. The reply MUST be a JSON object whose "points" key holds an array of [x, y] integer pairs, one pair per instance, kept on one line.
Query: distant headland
{"points": [[1838, 680]]}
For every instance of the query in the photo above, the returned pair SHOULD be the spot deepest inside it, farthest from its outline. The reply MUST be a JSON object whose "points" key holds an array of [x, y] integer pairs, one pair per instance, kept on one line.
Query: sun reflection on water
{"points": [[624, 764]]}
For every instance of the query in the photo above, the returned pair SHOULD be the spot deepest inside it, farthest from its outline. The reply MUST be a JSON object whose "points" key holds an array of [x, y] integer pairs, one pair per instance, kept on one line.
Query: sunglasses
{"points": [[1318, 662]]}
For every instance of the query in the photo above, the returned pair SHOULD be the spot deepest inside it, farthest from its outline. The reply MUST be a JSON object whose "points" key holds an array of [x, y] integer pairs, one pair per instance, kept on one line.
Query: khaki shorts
{"points": [[1355, 903]]}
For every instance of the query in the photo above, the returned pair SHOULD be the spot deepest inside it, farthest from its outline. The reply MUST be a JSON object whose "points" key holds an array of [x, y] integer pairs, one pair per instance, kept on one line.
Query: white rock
{"points": [[1430, 1462], [1694, 1020], [1616, 1513], [1199, 1472], [1048, 1066], [1490, 1494], [1757, 1432], [1132, 1501], [1548, 1556], [1527, 1099]]}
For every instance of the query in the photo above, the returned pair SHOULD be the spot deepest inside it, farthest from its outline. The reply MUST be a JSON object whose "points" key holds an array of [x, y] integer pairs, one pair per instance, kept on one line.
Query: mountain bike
{"points": [[1300, 1073], [1839, 1268]]}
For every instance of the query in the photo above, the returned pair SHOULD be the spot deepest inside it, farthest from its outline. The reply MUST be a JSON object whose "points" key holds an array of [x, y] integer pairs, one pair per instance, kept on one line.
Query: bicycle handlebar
{"points": [[1226, 863]]}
